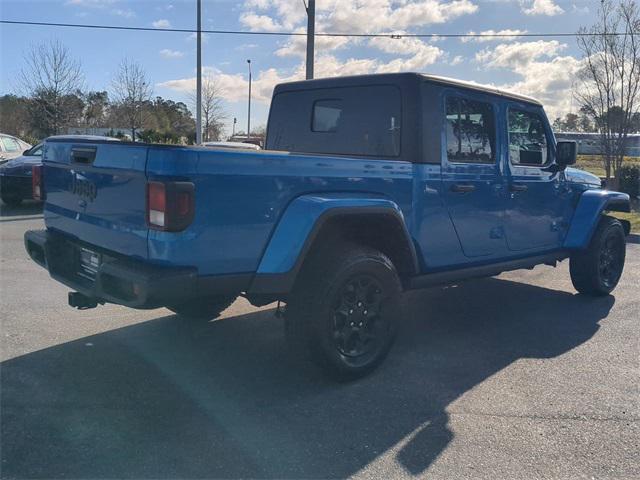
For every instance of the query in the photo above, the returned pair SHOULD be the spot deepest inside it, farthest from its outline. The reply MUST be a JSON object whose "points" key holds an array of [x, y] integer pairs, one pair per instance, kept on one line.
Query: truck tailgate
{"points": [[96, 192]]}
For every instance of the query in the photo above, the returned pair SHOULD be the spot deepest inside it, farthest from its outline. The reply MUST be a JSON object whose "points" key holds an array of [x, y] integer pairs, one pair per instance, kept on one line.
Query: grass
{"points": [[593, 164]]}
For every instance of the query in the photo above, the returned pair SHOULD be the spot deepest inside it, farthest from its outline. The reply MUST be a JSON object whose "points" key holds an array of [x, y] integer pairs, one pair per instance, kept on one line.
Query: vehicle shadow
{"points": [[27, 207], [172, 399]]}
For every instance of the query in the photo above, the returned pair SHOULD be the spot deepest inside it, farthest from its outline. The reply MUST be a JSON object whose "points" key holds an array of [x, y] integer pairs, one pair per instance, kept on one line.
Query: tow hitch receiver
{"points": [[82, 302]]}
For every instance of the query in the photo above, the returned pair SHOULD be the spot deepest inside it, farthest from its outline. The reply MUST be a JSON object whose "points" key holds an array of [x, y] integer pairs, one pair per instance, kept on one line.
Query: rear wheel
{"points": [[597, 270], [344, 309], [11, 200], [203, 308]]}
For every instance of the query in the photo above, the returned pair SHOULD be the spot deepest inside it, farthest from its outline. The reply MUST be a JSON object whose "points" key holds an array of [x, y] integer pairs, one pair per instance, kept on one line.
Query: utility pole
{"points": [[199, 76], [249, 112], [311, 31]]}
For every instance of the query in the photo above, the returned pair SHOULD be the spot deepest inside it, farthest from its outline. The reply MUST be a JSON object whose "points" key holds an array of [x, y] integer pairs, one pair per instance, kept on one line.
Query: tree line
{"points": [[608, 85], [51, 98]]}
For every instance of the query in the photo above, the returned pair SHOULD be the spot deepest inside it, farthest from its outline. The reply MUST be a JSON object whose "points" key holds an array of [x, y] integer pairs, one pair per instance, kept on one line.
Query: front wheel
{"points": [[597, 270], [344, 309], [203, 309]]}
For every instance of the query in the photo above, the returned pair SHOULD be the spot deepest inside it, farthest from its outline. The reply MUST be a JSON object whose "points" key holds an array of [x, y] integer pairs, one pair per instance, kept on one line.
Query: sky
{"points": [[544, 68]]}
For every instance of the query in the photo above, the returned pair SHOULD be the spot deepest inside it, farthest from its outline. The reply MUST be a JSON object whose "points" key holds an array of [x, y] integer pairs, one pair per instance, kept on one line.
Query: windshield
{"points": [[35, 151]]}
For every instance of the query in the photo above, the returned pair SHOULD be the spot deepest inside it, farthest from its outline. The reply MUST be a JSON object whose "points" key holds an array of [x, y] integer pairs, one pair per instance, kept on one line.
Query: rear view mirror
{"points": [[566, 153], [26, 152]]}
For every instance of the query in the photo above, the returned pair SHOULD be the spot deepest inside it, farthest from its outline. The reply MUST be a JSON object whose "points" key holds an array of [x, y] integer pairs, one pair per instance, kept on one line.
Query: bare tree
{"points": [[609, 84], [132, 93], [212, 109], [53, 79]]}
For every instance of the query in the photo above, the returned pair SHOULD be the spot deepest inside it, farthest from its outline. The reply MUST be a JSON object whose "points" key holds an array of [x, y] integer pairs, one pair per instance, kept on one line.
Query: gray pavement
{"points": [[510, 377]]}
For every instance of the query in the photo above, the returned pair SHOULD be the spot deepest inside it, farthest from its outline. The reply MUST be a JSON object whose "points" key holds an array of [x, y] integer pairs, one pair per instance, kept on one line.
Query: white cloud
{"points": [[543, 73], [235, 86], [246, 46], [420, 53], [193, 36], [388, 15], [297, 45], [168, 53], [457, 60], [490, 35], [123, 12], [262, 23], [91, 3], [582, 10], [517, 54], [349, 16], [102, 5], [162, 23], [541, 7], [550, 82]]}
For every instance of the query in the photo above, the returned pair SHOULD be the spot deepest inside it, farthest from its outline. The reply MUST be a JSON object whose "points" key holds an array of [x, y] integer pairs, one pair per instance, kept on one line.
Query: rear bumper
{"points": [[16, 186], [124, 281]]}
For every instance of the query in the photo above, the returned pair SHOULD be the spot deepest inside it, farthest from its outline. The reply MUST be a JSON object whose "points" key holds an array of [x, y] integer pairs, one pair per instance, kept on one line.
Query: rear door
{"points": [[471, 174], [96, 192]]}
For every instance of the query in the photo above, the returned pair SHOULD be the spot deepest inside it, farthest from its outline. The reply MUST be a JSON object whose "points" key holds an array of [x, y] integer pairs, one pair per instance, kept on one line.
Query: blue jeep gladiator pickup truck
{"points": [[369, 185]]}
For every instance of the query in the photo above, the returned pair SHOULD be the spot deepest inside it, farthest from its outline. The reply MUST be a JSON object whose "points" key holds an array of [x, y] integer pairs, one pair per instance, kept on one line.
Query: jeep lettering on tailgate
{"points": [[82, 187]]}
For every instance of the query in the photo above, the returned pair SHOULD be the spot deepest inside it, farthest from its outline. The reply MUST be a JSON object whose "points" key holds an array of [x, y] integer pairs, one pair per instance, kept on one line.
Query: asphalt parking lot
{"points": [[510, 377]]}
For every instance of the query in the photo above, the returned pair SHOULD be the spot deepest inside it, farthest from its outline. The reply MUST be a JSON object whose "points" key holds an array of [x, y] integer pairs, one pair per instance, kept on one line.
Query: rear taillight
{"points": [[170, 205], [36, 183]]}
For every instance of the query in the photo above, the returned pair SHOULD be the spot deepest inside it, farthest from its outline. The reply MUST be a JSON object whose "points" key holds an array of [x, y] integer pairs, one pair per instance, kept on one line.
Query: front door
{"points": [[538, 201], [471, 176]]}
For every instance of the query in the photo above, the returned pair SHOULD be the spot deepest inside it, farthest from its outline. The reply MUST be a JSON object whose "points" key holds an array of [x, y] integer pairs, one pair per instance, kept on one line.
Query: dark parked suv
{"points": [[15, 174]]}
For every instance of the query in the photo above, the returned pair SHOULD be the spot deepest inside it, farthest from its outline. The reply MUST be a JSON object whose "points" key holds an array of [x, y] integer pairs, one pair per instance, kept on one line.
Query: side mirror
{"points": [[26, 152], [566, 153]]}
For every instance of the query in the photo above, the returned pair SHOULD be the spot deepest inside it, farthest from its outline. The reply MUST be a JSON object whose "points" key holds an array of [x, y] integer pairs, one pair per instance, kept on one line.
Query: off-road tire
{"points": [[203, 309], [344, 309], [11, 200], [597, 270]]}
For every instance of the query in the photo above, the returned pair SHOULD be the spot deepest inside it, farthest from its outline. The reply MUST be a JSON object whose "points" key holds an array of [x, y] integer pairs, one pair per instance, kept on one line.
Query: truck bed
{"points": [[239, 197]]}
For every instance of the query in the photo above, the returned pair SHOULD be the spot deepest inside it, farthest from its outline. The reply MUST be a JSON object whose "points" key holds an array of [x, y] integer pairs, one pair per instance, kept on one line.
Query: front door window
{"points": [[527, 139]]}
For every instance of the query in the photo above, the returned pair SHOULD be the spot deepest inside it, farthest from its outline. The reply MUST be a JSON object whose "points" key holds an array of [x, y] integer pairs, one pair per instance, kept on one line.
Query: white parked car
{"points": [[239, 145], [11, 147]]}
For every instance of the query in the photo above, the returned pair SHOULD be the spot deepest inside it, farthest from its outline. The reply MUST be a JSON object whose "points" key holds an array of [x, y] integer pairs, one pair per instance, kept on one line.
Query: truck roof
{"points": [[399, 78]]}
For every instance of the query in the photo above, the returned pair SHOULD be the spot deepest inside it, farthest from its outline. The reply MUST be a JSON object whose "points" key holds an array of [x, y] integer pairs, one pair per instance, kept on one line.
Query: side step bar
{"points": [[452, 276]]}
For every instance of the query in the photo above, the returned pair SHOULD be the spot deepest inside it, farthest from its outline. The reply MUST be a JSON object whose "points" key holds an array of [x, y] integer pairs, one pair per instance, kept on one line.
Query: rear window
{"points": [[358, 121], [10, 145]]}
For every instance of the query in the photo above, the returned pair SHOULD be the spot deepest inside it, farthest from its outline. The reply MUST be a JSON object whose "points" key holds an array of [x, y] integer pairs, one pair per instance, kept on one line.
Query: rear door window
{"points": [[470, 129], [527, 139]]}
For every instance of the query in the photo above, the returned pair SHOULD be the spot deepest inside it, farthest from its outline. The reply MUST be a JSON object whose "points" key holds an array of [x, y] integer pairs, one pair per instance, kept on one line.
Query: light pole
{"points": [[311, 28], [249, 112], [199, 76]]}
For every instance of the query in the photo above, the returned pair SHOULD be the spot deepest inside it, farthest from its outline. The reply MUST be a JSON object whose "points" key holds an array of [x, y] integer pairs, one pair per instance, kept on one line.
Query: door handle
{"points": [[462, 187], [518, 187]]}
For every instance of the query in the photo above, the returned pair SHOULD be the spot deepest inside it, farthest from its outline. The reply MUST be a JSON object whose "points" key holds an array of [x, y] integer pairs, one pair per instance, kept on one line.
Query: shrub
{"points": [[629, 180]]}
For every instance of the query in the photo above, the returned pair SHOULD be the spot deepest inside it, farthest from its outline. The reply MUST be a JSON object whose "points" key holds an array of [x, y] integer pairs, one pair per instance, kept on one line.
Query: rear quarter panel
{"points": [[240, 197]]}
